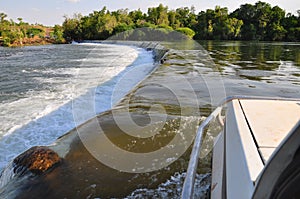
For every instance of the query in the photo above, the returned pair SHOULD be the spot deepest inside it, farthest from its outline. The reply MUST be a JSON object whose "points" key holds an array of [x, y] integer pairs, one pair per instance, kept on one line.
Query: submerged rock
{"points": [[26, 173], [37, 160]]}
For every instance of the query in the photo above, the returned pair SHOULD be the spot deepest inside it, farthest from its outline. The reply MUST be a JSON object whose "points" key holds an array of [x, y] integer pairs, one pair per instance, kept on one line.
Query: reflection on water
{"points": [[258, 53], [257, 61], [257, 68]]}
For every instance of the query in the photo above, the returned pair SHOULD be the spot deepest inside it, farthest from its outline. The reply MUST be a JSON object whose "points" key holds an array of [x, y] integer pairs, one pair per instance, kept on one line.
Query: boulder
{"points": [[37, 160]]}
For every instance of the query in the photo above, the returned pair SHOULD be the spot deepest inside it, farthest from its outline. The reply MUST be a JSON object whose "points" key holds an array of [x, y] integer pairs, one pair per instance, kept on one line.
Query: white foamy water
{"points": [[64, 86], [172, 188]]}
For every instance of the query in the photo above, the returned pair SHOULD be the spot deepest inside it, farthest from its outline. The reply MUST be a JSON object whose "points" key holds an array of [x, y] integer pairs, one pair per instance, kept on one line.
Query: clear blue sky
{"points": [[50, 12]]}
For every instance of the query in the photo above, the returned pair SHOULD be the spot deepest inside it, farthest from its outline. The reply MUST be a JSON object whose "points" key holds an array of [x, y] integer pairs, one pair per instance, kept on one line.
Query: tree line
{"points": [[260, 21], [21, 33]]}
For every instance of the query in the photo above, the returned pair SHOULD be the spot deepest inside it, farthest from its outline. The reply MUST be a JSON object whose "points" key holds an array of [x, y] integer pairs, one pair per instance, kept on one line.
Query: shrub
{"points": [[187, 31], [34, 31], [6, 42]]}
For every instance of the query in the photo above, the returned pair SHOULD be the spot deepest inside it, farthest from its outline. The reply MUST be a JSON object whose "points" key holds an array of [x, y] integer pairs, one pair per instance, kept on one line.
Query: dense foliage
{"points": [[260, 21], [19, 33]]}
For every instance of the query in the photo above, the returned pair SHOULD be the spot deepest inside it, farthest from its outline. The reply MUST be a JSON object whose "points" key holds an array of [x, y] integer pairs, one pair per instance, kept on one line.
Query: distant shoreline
{"points": [[250, 22], [31, 42]]}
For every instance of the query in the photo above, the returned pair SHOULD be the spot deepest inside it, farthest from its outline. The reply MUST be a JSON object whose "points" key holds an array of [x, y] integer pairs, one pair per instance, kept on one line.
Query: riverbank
{"points": [[14, 34], [35, 41]]}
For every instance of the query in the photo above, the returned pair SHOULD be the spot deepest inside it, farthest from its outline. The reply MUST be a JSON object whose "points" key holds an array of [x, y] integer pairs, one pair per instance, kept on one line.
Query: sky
{"points": [[51, 12]]}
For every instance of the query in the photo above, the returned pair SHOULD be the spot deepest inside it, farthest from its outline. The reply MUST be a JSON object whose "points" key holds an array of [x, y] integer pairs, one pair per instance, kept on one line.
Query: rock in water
{"points": [[37, 160], [72, 170]]}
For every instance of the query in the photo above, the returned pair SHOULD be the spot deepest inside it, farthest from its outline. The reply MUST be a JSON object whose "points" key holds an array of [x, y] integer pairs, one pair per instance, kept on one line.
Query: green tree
{"points": [[87, 26], [11, 36], [246, 13], [204, 28], [220, 27], [2, 17], [58, 34], [276, 32], [121, 27], [33, 31], [136, 15], [4, 24], [262, 18], [122, 16], [290, 24], [71, 27], [158, 15], [234, 28], [182, 15], [260, 21], [20, 21], [173, 21]]}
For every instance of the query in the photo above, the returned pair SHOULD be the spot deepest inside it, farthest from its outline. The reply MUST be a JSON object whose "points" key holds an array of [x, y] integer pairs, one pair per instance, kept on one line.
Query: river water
{"points": [[38, 83], [41, 85], [216, 70], [258, 68]]}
